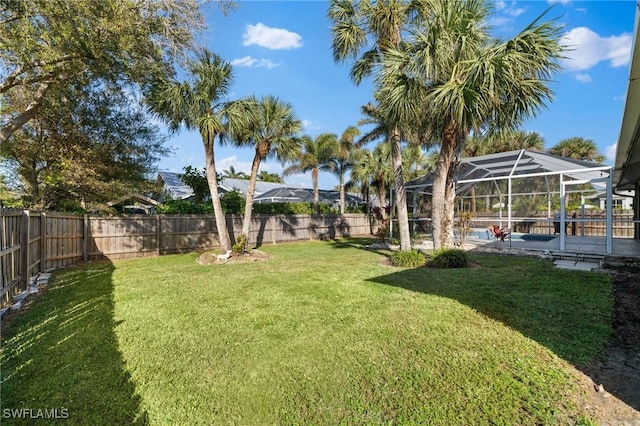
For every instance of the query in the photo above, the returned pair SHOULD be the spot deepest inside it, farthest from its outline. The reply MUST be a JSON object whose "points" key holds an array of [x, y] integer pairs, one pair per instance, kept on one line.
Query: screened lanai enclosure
{"points": [[532, 195]]}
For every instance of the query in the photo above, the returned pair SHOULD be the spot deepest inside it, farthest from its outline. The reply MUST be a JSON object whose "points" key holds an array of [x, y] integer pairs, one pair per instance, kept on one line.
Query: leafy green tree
{"points": [[344, 159], [372, 30], [577, 148], [272, 132], [87, 151], [316, 155], [232, 202], [196, 179], [454, 76], [47, 45], [200, 104]]}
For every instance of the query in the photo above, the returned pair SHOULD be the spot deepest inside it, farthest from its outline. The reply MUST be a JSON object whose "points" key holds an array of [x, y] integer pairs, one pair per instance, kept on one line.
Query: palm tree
{"points": [[198, 104], [578, 148], [272, 131], [374, 29], [344, 160], [266, 176], [454, 76], [317, 155], [231, 173], [373, 171]]}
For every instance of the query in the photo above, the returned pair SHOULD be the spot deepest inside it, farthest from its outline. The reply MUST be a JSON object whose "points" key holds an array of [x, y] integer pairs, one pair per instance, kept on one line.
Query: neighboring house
{"points": [[173, 188], [622, 200], [305, 195], [242, 185], [134, 203]]}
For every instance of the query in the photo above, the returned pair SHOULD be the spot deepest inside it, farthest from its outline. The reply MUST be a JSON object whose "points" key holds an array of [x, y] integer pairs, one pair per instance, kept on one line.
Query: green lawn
{"points": [[322, 333]]}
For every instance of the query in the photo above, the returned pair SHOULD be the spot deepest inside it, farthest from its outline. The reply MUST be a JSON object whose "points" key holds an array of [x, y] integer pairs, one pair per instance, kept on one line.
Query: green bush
{"points": [[290, 208], [184, 207], [448, 258], [408, 259], [232, 202]]}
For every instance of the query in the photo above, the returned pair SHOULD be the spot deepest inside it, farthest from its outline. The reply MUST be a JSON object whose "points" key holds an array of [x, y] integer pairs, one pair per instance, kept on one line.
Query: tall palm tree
{"points": [[232, 173], [373, 171], [371, 30], [316, 155], [344, 158], [273, 132], [578, 148], [456, 77], [199, 104]]}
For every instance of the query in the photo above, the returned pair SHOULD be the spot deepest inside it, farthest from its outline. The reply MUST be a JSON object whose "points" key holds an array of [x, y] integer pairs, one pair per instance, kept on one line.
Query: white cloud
{"points": [[588, 48], [309, 125], [245, 166], [271, 38], [500, 5], [239, 166], [559, 1], [583, 78], [248, 61], [610, 152]]}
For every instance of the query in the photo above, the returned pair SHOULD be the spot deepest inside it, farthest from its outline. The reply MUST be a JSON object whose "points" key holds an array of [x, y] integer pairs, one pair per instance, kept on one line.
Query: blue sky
{"points": [[283, 48]]}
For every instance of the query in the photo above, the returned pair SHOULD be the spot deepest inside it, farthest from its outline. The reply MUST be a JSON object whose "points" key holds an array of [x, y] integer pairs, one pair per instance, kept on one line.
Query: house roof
{"points": [[519, 163], [627, 165], [242, 185], [134, 196], [176, 189], [302, 195]]}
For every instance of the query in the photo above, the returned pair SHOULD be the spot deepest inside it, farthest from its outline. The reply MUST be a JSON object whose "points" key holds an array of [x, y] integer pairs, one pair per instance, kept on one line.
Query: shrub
{"points": [[184, 207], [232, 202], [449, 258], [290, 208], [241, 244], [408, 259]]}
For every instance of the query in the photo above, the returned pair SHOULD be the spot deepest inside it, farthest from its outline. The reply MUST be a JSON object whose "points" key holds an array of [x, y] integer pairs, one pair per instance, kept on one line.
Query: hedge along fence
{"points": [[33, 242]]}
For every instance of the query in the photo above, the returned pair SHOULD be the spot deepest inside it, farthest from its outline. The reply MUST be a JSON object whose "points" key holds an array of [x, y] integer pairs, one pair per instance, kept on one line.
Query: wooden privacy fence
{"points": [[33, 242]]}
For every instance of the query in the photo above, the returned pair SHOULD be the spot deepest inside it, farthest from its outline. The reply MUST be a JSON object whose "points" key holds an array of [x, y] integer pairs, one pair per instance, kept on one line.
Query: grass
{"points": [[323, 333]]}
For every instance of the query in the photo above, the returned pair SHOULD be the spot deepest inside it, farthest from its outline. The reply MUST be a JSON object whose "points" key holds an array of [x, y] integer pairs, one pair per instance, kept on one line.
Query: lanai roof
{"points": [[515, 164], [627, 171]]}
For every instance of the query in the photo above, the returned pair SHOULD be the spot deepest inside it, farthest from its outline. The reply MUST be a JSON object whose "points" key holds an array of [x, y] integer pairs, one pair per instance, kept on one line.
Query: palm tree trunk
{"points": [[212, 180], [248, 206], [382, 197], [443, 195], [316, 193], [401, 195], [342, 192]]}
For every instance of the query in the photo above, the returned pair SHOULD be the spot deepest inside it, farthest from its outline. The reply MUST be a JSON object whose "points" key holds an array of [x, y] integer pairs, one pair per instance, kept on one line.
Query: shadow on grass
{"points": [[353, 242], [61, 355], [568, 312]]}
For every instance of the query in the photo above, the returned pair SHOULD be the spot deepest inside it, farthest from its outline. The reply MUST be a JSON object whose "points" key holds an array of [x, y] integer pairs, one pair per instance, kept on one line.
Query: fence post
{"points": [[85, 237], [273, 229], [2, 240], [43, 241], [158, 235], [24, 245]]}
